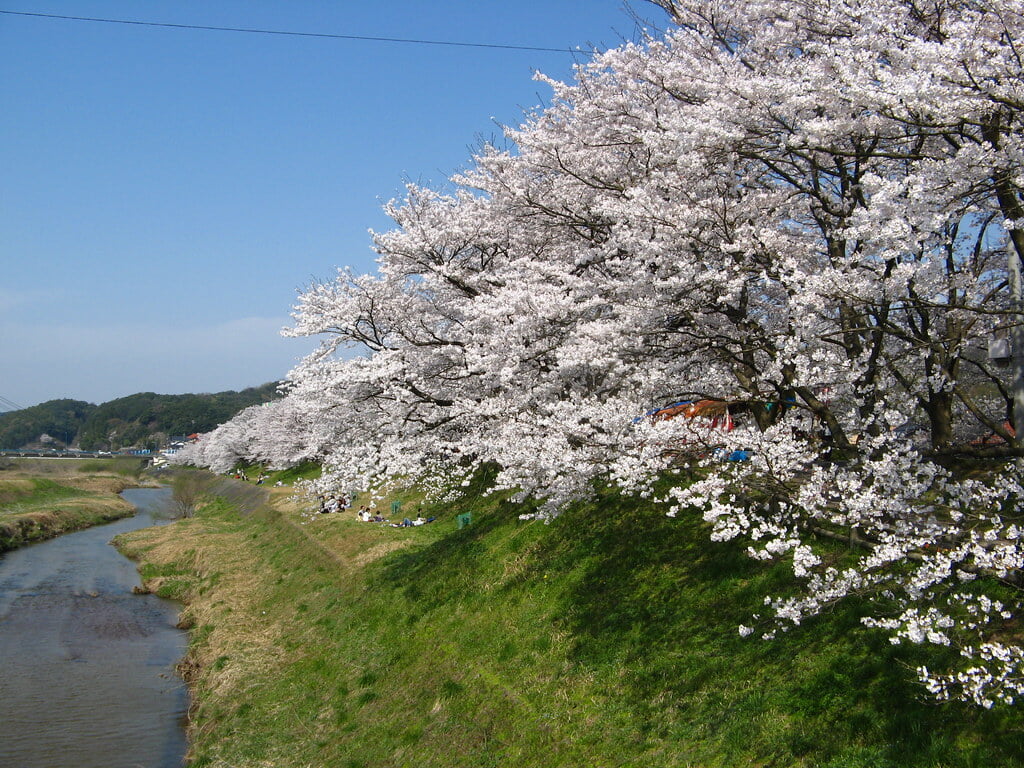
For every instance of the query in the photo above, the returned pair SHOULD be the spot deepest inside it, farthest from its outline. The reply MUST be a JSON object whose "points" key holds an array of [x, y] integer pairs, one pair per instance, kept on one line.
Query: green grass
{"points": [[310, 470], [127, 466], [29, 494], [606, 638]]}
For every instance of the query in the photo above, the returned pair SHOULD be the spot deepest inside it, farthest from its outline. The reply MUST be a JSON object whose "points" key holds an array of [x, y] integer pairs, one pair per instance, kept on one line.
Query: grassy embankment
{"points": [[607, 638], [43, 498]]}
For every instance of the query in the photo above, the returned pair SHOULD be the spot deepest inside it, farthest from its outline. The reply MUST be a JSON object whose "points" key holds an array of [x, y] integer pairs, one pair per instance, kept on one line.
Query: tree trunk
{"points": [[940, 418]]}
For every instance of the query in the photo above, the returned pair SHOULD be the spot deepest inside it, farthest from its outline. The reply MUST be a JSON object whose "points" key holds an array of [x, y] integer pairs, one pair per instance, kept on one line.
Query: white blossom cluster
{"points": [[801, 208], [278, 434]]}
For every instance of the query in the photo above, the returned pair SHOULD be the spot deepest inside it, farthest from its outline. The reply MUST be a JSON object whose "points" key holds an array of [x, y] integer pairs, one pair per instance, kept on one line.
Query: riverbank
{"points": [[43, 498], [607, 638]]}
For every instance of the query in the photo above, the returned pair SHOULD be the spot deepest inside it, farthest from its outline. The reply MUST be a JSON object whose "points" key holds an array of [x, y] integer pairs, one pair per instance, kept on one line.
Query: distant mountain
{"points": [[144, 420]]}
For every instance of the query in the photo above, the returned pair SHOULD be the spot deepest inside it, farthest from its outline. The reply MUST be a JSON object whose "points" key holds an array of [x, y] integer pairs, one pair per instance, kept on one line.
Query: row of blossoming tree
{"points": [[801, 209]]}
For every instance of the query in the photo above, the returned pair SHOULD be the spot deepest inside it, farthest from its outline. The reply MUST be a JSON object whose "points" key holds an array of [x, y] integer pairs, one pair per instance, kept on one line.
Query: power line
{"points": [[10, 404], [253, 31]]}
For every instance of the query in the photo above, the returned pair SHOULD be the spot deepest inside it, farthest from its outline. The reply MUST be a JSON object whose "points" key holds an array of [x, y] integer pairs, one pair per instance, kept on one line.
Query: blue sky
{"points": [[165, 193]]}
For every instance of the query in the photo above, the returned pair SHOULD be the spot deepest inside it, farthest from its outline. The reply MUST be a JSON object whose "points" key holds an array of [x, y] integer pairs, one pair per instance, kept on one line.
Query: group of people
{"points": [[406, 522], [331, 504], [336, 503], [239, 474], [366, 515]]}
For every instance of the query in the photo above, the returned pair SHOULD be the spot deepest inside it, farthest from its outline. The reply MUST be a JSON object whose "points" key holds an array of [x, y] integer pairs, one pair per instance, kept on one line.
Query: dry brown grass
{"points": [[227, 622], [100, 483], [13, 488], [285, 499], [87, 475], [378, 551]]}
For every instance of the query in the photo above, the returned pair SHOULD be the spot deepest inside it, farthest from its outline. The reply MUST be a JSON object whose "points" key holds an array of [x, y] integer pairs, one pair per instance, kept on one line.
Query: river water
{"points": [[86, 667]]}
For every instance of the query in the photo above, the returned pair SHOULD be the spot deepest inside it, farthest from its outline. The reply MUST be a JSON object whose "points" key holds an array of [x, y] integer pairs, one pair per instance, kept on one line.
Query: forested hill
{"points": [[60, 419], [143, 420]]}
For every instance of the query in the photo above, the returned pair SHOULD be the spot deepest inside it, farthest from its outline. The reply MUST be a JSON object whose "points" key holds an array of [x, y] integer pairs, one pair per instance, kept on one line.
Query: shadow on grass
{"points": [[653, 603], [447, 569], [244, 497], [657, 597]]}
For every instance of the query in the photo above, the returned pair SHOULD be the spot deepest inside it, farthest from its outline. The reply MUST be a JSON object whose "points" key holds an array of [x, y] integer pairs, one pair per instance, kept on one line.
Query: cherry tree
{"points": [[225, 447], [280, 434], [800, 210]]}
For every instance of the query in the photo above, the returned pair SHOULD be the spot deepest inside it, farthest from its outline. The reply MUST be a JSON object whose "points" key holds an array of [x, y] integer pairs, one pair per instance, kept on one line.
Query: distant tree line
{"points": [[142, 420]]}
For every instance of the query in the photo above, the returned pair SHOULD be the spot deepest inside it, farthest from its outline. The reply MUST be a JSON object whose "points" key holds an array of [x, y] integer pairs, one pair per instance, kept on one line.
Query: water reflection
{"points": [[86, 667]]}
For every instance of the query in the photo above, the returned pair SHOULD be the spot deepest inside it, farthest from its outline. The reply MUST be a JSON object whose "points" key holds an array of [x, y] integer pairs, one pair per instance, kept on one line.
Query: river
{"points": [[86, 667]]}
